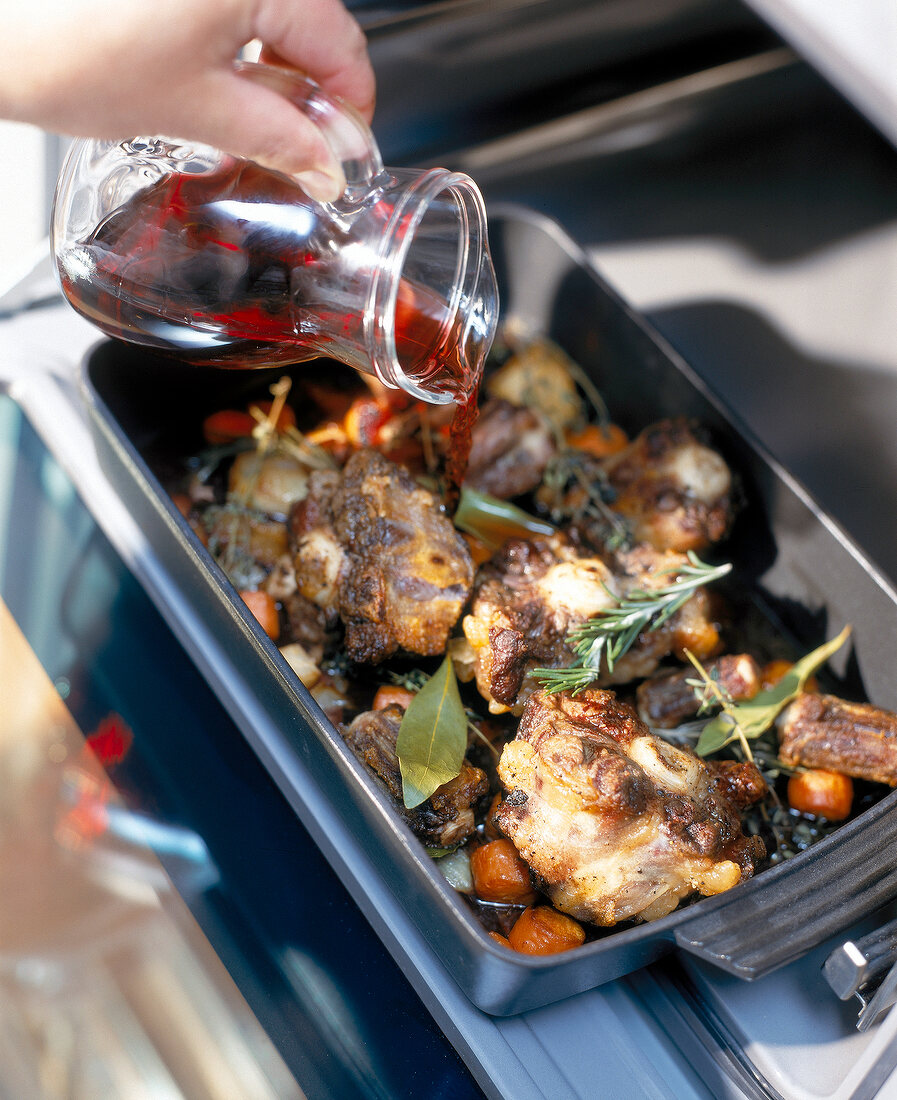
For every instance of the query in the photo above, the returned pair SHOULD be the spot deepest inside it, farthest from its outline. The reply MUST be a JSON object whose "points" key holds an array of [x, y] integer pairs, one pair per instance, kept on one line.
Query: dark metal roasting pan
{"points": [[801, 567]]}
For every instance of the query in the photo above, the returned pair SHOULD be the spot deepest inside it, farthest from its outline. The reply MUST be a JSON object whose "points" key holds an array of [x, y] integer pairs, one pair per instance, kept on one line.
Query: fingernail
{"points": [[321, 186]]}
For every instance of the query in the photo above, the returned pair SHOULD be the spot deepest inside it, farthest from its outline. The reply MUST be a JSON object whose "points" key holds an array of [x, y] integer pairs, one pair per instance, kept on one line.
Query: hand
{"points": [[119, 68]]}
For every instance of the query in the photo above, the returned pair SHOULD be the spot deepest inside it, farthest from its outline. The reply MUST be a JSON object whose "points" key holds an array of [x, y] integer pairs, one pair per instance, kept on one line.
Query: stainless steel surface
{"points": [[846, 970], [876, 1004], [108, 986], [866, 969]]}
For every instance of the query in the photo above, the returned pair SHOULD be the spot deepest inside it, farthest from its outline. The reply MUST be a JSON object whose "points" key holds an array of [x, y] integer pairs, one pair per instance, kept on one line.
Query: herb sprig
{"points": [[604, 638], [743, 722]]}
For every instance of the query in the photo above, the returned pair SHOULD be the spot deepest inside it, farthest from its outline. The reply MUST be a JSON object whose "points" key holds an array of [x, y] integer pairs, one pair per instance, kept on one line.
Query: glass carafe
{"points": [[191, 251]]}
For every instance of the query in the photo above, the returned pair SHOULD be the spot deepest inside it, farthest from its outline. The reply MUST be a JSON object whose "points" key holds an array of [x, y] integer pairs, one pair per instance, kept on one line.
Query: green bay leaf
{"points": [[432, 737], [493, 521], [756, 715], [716, 735]]}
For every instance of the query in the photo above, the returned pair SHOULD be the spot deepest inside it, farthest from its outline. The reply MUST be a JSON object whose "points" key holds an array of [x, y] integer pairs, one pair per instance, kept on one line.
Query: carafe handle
{"points": [[347, 134]]}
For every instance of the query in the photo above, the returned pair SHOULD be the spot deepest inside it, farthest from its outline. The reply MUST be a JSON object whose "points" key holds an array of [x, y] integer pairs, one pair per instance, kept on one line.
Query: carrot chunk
{"points": [[599, 440], [388, 694], [821, 793], [499, 874], [264, 607], [541, 930], [227, 425]]}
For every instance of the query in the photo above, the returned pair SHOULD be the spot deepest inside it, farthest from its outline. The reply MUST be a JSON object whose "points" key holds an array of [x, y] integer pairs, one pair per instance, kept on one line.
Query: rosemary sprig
{"points": [[603, 639]]}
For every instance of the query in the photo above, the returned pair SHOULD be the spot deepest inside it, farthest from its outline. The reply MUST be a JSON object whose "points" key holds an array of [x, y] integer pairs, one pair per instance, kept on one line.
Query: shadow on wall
{"points": [[831, 423]]}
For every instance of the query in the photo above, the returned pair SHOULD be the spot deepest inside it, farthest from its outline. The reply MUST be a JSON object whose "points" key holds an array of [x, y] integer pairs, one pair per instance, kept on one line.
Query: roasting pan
{"points": [[146, 412]]}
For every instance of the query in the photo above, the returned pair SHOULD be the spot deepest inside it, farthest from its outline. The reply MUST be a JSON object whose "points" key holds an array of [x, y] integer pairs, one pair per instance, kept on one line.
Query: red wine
{"points": [[234, 268], [230, 268], [460, 442]]}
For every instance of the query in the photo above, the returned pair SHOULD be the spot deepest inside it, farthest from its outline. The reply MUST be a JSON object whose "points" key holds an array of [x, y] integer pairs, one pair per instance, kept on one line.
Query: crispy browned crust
{"points": [[375, 549], [615, 822], [650, 494]]}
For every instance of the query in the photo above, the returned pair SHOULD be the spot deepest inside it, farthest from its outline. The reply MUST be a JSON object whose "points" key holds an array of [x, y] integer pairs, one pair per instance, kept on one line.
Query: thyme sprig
{"points": [[269, 436], [604, 638], [709, 693], [746, 721]]}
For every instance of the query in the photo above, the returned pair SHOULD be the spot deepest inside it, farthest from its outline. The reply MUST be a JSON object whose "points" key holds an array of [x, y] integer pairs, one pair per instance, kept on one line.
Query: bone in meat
{"points": [[823, 731], [617, 823]]}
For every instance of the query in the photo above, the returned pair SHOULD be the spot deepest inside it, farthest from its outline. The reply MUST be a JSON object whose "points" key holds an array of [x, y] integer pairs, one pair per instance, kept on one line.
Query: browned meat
{"points": [[270, 482], [673, 491], [527, 597], [307, 624], [510, 450], [617, 823], [666, 700], [530, 594], [304, 622], [245, 543], [823, 731], [447, 817], [314, 509], [694, 627], [374, 549], [738, 782], [319, 558]]}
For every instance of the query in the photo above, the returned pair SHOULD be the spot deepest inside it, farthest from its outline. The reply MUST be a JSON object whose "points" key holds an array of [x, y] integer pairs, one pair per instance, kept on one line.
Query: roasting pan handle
{"points": [[784, 912], [865, 969], [858, 963]]}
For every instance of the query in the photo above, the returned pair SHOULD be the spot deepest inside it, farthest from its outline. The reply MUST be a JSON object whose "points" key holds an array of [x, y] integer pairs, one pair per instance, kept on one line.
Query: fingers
{"points": [[324, 40], [115, 68]]}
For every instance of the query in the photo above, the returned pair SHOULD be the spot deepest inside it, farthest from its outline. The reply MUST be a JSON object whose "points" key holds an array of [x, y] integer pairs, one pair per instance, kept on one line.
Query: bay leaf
{"points": [[716, 735], [756, 715], [432, 737], [493, 521]]}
